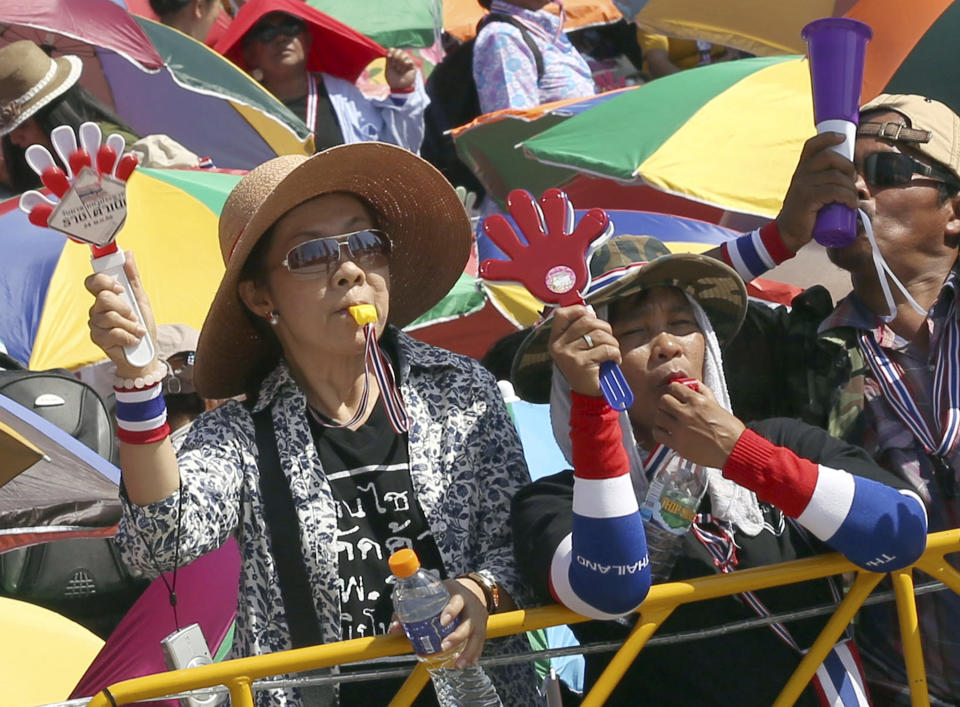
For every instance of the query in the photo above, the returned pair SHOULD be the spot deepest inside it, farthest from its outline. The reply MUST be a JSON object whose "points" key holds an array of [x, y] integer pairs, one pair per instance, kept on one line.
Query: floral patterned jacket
{"points": [[466, 463]]}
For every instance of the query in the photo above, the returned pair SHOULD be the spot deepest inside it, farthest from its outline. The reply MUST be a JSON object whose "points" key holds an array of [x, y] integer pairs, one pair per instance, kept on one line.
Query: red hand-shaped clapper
{"points": [[92, 204], [552, 264]]}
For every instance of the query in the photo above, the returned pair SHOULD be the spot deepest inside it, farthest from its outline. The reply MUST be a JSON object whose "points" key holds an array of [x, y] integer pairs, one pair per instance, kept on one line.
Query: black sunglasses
{"points": [[895, 169], [368, 249], [267, 33]]}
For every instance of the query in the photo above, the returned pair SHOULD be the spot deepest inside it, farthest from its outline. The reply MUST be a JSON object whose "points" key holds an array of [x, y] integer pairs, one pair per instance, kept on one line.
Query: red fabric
{"points": [[777, 475], [725, 254], [145, 437], [12, 541], [598, 451], [219, 29], [772, 291], [770, 235], [336, 49]]}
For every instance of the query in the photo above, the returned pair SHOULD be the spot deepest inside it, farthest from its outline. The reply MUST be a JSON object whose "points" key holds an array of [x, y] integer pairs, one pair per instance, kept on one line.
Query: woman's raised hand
{"points": [[113, 323], [401, 71], [579, 343]]}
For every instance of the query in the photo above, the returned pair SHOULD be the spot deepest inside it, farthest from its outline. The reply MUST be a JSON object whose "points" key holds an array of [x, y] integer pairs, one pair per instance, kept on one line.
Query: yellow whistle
{"points": [[363, 313]]}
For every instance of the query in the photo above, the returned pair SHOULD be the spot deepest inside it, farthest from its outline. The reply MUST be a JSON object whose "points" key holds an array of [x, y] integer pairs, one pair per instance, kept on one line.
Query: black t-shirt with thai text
{"points": [[377, 514]]}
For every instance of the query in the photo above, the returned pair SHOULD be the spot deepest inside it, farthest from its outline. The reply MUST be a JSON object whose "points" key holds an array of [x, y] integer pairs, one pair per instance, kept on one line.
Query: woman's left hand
{"points": [[695, 426], [467, 602], [401, 70]]}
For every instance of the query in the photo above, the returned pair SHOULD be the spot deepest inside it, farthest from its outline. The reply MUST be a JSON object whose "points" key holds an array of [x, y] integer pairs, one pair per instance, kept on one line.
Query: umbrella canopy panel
{"points": [[727, 135], [460, 17], [71, 487], [756, 26], [932, 66], [190, 93], [390, 23]]}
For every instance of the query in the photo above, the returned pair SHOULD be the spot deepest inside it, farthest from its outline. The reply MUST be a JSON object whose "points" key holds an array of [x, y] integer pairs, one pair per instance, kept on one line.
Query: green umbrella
{"points": [[390, 23]]}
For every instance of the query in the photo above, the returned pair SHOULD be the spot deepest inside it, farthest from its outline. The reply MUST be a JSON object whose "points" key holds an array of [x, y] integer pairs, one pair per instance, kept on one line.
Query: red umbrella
{"points": [[336, 48]]}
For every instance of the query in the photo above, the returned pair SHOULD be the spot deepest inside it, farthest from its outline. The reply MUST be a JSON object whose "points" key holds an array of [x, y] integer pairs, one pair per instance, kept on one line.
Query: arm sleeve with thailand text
{"points": [[834, 490], [599, 566]]}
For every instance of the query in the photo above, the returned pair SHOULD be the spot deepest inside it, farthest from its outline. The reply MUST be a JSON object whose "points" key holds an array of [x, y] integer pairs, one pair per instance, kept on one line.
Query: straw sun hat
{"points": [[29, 80], [418, 209], [622, 267]]}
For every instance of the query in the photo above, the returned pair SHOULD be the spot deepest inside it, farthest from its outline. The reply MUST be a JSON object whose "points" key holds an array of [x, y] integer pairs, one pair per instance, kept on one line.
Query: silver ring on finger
{"points": [[587, 338]]}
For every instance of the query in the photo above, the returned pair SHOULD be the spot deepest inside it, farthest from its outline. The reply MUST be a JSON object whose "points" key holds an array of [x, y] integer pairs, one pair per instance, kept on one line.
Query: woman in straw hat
{"points": [[38, 93], [354, 440], [777, 489]]}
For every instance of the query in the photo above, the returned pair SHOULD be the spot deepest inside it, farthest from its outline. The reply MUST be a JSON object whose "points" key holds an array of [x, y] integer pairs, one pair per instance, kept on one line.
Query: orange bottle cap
{"points": [[404, 563]]}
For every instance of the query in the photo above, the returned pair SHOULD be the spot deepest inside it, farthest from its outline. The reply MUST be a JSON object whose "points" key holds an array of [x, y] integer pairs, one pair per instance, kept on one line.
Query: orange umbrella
{"points": [[460, 17]]}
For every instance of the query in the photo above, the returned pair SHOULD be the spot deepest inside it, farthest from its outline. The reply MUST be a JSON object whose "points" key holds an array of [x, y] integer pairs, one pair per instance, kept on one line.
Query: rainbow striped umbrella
{"points": [[488, 146], [162, 81], [905, 45], [727, 135]]}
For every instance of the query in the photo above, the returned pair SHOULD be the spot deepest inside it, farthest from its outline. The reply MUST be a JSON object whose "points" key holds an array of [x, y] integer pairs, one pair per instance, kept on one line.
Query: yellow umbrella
{"points": [[42, 654]]}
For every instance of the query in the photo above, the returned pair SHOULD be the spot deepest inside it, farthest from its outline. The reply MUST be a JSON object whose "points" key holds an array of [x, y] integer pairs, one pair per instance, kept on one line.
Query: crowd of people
{"points": [[323, 443]]}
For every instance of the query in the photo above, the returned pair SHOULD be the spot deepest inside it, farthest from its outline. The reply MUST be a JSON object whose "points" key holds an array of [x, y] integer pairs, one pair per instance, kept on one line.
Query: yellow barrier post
{"points": [[864, 584], [647, 625], [910, 637], [415, 682]]}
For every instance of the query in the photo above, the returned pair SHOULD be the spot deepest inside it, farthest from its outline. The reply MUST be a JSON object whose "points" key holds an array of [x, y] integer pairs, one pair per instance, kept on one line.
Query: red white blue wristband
{"points": [[754, 253], [141, 415]]}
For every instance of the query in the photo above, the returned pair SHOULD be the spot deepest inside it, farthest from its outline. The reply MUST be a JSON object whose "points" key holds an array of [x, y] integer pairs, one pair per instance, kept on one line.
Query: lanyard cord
{"points": [[390, 393]]}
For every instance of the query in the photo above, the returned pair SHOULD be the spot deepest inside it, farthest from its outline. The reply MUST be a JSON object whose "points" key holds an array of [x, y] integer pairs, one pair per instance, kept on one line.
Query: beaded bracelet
{"points": [[141, 382]]}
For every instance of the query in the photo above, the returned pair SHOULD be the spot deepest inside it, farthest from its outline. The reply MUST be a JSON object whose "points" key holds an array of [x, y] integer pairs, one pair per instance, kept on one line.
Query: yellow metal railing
{"points": [[238, 675]]}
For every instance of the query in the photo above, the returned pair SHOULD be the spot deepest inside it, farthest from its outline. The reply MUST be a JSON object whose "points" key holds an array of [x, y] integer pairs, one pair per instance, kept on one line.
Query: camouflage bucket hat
{"points": [[622, 267]]}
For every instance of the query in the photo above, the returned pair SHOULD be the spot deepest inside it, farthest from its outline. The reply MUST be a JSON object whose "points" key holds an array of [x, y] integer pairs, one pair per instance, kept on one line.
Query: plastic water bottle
{"points": [[418, 598], [668, 511]]}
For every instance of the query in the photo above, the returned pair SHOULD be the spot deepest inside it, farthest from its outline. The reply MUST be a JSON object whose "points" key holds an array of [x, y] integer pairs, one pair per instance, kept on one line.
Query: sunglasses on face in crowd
{"points": [[319, 257], [896, 169], [179, 369], [267, 33]]}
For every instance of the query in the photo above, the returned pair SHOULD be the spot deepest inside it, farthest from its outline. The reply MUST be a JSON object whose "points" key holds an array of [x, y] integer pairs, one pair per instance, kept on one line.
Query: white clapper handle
{"points": [[143, 352]]}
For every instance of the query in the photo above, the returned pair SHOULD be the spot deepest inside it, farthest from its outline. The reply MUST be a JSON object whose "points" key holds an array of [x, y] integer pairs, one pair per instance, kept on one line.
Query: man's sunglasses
{"points": [[368, 249], [267, 33], [895, 169]]}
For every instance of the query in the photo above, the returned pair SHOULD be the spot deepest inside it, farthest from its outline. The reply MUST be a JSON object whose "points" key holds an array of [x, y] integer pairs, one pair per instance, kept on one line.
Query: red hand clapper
{"points": [[552, 264]]}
